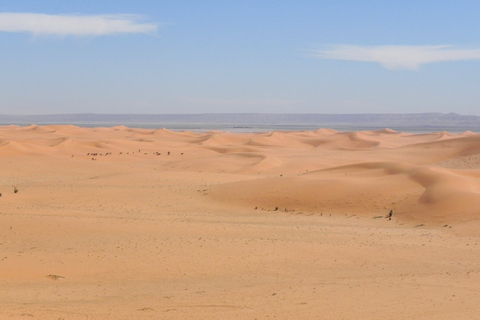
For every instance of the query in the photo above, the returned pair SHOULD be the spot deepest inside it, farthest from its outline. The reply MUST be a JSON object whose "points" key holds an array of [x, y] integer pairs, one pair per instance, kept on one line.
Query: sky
{"points": [[181, 57]]}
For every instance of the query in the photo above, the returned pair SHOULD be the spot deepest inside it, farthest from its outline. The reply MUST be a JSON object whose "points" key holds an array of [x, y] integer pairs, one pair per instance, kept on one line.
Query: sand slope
{"points": [[428, 178], [123, 223]]}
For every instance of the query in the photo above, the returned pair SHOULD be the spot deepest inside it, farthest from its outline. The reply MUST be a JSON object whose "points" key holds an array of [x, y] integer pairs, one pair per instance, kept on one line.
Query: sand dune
{"points": [[313, 171], [124, 223], [416, 193]]}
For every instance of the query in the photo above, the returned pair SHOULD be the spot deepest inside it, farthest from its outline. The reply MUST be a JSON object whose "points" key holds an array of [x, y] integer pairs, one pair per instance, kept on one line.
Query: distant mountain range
{"points": [[410, 121]]}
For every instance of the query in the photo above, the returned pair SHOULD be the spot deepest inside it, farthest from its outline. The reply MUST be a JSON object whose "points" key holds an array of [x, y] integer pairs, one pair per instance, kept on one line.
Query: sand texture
{"points": [[121, 223]]}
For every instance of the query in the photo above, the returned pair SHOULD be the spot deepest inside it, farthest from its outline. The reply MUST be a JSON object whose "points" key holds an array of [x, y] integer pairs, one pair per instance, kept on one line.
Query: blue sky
{"points": [[239, 56]]}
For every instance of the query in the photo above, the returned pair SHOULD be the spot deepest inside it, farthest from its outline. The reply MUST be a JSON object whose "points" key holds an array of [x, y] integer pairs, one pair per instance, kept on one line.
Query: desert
{"points": [[127, 223]]}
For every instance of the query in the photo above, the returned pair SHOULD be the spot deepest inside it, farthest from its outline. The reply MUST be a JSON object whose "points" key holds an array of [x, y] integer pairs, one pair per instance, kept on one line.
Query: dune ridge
{"points": [[124, 223], [423, 177]]}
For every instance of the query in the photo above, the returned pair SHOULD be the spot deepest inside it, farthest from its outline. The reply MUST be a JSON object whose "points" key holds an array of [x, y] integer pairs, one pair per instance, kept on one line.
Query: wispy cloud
{"points": [[79, 25], [398, 57]]}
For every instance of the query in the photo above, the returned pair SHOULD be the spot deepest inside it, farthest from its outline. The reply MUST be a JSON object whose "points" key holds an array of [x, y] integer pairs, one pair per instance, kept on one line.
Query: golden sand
{"points": [[120, 223]]}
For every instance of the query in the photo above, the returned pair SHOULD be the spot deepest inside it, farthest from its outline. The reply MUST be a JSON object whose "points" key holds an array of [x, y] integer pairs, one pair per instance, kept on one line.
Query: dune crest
{"points": [[122, 223], [421, 176]]}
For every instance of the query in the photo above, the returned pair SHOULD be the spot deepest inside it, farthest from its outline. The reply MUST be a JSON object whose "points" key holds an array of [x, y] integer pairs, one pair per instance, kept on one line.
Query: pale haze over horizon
{"points": [[176, 57]]}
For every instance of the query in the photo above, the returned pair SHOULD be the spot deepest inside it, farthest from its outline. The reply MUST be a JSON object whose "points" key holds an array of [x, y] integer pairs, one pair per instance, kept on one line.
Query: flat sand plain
{"points": [[120, 223]]}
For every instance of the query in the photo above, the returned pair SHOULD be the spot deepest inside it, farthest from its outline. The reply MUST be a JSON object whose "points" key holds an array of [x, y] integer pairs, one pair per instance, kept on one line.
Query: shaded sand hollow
{"points": [[120, 223]]}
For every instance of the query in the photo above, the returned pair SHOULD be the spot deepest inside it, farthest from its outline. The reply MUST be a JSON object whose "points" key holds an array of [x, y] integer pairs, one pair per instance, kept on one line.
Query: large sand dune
{"points": [[122, 223]]}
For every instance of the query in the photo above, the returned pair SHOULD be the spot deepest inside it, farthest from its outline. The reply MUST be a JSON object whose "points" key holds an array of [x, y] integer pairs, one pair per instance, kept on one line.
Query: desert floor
{"points": [[120, 223]]}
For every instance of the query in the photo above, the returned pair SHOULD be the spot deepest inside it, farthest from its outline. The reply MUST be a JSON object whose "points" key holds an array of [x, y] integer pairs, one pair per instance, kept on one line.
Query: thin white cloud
{"points": [[79, 25], [398, 57]]}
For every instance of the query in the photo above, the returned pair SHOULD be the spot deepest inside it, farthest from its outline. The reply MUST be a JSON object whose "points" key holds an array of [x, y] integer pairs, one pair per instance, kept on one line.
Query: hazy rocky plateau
{"points": [[398, 121]]}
